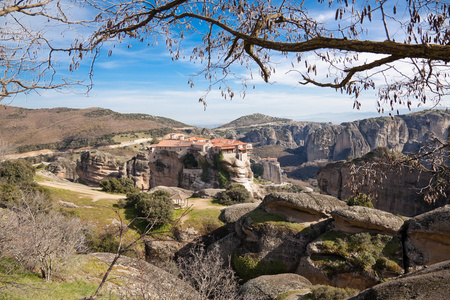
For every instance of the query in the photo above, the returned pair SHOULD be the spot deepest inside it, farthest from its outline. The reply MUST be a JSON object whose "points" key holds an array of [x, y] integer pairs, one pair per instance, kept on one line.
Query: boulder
{"points": [[302, 207], [64, 168], [141, 278], [269, 287], [232, 213], [428, 237], [207, 193], [357, 261], [425, 284], [161, 251], [270, 238], [355, 219]]}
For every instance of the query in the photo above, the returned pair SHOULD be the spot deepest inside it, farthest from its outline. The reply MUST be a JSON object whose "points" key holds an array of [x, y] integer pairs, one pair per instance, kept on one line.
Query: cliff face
{"points": [[323, 141], [398, 193], [94, 166], [138, 170]]}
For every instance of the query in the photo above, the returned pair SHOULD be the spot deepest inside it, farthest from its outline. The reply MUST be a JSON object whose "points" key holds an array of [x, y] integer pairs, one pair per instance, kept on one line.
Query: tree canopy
{"points": [[399, 48]]}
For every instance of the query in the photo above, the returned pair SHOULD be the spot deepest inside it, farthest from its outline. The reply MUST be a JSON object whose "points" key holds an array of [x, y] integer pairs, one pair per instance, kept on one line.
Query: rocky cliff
{"points": [[323, 141], [94, 166], [398, 192]]}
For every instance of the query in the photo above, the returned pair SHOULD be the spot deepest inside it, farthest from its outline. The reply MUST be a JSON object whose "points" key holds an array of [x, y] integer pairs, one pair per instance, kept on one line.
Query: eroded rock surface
{"points": [[232, 213], [269, 287], [355, 219], [428, 237], [94, 166], [302, 207], [425, 284], [142, 278]]}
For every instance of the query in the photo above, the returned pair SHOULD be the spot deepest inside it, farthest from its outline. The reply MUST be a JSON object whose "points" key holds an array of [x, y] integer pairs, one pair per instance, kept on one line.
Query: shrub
{"points": [[234, 194], [189, 161], [248, 268], [114, 185], [360, 199], [16, 172], [103, 242], [157, 207], [330, 293]]}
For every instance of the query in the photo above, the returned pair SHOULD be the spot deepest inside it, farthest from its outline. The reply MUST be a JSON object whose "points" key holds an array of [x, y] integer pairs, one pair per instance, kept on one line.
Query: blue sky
{"points": [[146, 80]]}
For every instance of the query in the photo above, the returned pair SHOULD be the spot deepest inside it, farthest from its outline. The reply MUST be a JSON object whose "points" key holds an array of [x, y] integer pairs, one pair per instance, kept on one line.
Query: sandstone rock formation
{"points": [[142, 278], [355, 219], [269, 287], [425, 284], [398, 193], [64, 168], [232, 213], [138, 170], [358, 261], [323, 141], [302, 207], [165, 169], [94, 166], [271, 170], [428, 238]]}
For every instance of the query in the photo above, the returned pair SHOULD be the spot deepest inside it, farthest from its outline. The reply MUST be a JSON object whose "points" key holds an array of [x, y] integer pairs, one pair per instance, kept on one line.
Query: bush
{"points": [[16, 172], [114, 185], [103, 242], [234, 194], [248, 268], [360, 199], [331, 293], [157, 207]]}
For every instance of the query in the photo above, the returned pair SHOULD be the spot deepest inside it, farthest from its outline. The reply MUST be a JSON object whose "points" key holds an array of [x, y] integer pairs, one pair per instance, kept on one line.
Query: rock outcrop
{"points": [[269, 287], [355, 219], [234, 212], [357, 261], [428, 238], [94, 166], [64, 168], [425, 284], [398, 193], [302, 207], [138, 170], [142, 278], [323, 141]]}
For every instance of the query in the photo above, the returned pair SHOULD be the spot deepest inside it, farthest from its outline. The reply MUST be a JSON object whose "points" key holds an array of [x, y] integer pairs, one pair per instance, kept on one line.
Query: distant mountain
{"points": [[22, 126], [252, 120]]}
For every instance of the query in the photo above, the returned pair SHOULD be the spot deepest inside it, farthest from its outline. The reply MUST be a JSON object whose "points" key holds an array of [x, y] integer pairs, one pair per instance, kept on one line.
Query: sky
{"points": [[141, 79]]}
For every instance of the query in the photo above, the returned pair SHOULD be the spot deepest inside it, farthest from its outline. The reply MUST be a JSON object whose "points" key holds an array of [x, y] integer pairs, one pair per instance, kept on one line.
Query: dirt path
{"points": [[94, 193]]}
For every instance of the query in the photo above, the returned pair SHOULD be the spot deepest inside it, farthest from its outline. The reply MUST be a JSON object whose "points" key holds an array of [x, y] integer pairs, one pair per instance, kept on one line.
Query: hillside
{"points": [[21, 126], [252, 120]]}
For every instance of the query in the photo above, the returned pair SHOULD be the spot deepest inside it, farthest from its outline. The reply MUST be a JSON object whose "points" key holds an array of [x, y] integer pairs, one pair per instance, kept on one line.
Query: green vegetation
{"points": [[360, 199], [248, 268], [223, 176], [257, 169], [288, 188], [325, 292], [234, 194], [203, 221], [362, 251], [261, 217], [189, 161], [16, 172], [254, 119], [120, 186], [157, 207]]}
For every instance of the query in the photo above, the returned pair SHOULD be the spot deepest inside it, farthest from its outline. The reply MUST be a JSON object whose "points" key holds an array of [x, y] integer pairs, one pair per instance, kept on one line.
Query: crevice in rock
{"points": [[403, 236]]}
